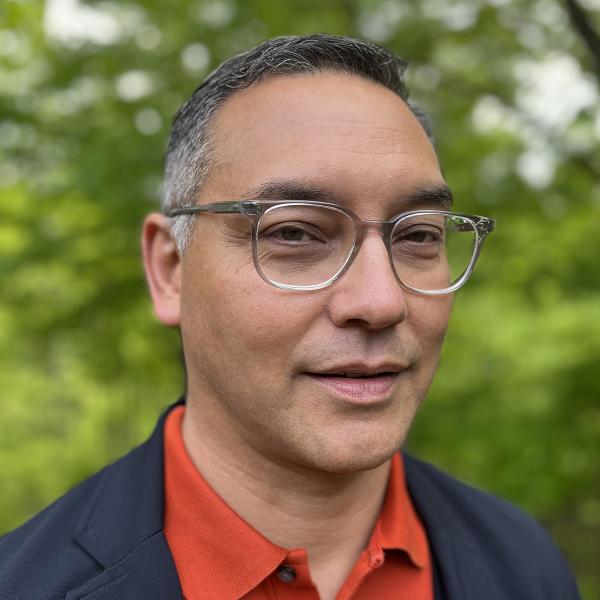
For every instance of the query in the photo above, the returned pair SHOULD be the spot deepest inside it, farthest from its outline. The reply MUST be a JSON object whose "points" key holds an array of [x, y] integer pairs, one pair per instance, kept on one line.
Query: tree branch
{"points": [[581, 23]]}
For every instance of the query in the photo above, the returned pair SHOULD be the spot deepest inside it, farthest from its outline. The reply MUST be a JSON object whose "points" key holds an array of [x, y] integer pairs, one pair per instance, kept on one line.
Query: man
{"points": [[308, 251]]}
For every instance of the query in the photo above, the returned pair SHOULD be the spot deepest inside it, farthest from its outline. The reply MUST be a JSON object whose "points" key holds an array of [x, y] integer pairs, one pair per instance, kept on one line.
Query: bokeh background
{"points": [[87, 92]]}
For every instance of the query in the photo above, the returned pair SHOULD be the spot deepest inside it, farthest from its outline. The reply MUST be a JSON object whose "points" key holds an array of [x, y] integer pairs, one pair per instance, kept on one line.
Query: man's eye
{"points": [[290, 233], [420, 236]]}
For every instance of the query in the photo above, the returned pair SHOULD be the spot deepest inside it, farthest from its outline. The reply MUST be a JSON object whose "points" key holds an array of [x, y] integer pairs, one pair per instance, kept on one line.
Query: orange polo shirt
{"points": [[219, 556]]}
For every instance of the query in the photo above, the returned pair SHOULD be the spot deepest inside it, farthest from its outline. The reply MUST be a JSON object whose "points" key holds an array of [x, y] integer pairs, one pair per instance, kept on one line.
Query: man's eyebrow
{"points": [[437, 196], [289, 190]]}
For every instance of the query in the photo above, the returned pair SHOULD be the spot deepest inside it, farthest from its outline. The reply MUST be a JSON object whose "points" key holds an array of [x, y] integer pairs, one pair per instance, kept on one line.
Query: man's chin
{"points": [[352, 458]]}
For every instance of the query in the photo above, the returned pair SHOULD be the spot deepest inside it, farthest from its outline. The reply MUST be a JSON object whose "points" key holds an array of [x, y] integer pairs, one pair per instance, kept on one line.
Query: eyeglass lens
{"points": [[308, 245]]}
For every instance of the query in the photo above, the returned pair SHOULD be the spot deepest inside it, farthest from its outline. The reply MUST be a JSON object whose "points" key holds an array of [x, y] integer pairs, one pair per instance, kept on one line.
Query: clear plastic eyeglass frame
{"points": [[255, 209]]}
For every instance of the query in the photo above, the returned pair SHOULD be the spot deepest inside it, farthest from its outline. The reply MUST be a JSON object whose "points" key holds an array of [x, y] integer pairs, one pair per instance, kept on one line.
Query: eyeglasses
{"points": [[307, 245]]}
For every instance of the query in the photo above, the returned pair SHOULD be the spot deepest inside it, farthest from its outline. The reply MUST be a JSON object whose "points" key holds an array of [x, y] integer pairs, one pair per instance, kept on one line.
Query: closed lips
{"points": [[356, 375], [358, 370]]}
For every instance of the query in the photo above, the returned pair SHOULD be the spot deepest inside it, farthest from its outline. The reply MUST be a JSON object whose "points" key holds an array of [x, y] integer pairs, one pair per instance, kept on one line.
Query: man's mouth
{"points": [[362, 384], [355, 375]]}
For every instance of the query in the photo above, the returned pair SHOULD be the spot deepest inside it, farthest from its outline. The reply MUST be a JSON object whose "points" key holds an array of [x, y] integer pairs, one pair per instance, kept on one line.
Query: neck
{"points": [[330, 515]]}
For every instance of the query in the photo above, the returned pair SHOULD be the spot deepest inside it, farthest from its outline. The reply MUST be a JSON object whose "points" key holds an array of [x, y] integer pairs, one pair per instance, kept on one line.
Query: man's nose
{"points": [[368, 294]]}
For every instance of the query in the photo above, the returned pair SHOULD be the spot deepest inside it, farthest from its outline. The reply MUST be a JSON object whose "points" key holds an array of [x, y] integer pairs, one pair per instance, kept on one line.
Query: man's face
{"points": [[259, 358]]}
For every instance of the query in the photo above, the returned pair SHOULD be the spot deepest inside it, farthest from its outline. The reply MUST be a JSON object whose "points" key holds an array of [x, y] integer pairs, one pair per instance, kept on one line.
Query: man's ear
{"points": [[162, 264]]}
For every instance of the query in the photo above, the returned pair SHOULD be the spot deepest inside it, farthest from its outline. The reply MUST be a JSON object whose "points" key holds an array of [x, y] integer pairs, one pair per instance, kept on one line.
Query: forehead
{"points": [[331, 131]]}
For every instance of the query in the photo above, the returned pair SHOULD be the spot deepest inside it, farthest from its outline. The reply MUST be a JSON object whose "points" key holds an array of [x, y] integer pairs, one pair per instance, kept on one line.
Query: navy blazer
{"points": [[104, 540]]}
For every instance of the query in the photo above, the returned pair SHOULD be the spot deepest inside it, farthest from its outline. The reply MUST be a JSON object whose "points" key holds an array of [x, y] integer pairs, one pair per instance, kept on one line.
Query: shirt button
{"points": [[286, 574]]}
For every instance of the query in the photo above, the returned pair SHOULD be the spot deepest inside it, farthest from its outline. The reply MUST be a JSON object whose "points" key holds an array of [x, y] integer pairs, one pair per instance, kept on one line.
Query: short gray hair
{"points": [[189, 153]]}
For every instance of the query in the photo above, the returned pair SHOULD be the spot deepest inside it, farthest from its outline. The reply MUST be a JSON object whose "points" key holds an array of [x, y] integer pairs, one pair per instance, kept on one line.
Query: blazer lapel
{"points": [[123, 530], [459, 571], [147, 572]]}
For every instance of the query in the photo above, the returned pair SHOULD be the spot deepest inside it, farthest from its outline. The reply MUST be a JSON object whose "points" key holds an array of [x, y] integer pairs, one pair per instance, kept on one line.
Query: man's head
{"points": [[328, 379]]}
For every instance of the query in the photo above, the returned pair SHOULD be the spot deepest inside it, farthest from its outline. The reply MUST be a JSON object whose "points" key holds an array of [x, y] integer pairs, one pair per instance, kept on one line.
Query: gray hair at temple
{"points": [[189, 153]]}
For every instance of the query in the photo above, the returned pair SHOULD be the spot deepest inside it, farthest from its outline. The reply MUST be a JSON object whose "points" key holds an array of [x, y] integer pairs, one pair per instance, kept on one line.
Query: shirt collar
{"points": [[399, 526]]}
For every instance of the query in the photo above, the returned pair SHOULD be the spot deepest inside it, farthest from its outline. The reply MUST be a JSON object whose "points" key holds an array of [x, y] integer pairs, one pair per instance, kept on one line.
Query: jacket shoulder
{"points": [[90, 529], [473, 506], [515, 548]]}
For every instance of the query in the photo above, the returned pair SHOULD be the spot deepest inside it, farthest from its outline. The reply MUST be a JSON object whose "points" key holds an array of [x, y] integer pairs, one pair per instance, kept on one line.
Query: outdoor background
{"points": [[87, 93]]}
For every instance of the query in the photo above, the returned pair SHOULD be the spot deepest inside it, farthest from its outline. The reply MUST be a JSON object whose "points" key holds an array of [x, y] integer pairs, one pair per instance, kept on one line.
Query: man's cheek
{"points": [[431, 319], [265, 342]]}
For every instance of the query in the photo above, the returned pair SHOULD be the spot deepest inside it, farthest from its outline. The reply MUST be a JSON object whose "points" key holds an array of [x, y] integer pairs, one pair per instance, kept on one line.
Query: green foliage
{"points": [[85, 368]]}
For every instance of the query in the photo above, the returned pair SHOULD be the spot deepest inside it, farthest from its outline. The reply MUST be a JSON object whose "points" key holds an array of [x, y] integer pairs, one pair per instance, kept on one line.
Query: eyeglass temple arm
{"points": [[217, 207], [485, 226]]}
